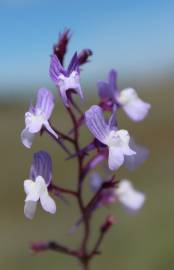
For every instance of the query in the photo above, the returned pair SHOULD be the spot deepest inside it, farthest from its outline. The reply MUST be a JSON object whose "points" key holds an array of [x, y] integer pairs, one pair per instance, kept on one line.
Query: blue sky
{"points": [[135, 37]]}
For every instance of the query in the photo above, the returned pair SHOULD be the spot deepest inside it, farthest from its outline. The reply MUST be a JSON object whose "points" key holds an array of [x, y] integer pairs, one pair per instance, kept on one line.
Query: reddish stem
{"points": [[82, 254], [81, 176], [57, 189]]}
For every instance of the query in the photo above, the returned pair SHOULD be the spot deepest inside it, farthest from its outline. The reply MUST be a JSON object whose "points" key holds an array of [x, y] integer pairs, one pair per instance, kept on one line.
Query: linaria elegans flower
{"points": [[129, 197], [128, 99], [66, 79], [36, 187], [124, 193], [116, 140], [38, 116]]}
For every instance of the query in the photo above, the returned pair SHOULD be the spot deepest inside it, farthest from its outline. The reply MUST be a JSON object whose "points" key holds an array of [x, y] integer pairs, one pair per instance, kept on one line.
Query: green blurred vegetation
{"points": [[137, 242]]}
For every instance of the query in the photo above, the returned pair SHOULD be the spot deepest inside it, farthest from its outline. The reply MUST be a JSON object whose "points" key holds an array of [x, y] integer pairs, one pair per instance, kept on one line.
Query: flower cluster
{"points": [[108, 142]]}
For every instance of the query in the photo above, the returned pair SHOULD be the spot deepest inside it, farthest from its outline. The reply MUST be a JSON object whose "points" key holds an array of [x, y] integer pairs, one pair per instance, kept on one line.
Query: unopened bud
{"points": [[83, 56], [108, 223], [39, 246], [60, 48]]}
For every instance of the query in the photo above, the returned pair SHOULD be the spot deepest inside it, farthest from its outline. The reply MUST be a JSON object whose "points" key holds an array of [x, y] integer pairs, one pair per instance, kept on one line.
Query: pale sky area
{"points": [[135, 37]]}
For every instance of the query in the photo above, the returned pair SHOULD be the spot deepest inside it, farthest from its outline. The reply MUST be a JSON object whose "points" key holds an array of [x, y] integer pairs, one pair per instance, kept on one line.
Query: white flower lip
{"points": [[128, 196], [35, 191], [118, 144], [133, 106], [69, 82], [126, 96]]}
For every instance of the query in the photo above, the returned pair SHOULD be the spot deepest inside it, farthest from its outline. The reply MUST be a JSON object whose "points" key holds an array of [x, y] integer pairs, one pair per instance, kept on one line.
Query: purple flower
{"points": [[38, 116], [108, 90], [36, 187], [116, 140], [128, 99], [66, 79], [125, 193]]}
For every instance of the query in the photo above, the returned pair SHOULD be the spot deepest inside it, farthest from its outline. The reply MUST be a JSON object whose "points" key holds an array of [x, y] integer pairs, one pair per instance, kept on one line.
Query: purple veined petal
{"points": [[41, 166], [45, 102], [112, 76], [112, 123], [73, 65], [30, 209], [96, 123], [95, 182], [115, 158], [103, 90], [49, 128], [55, 68], [137, 109], [132, 162], [48, 203], [27, 138], [31, 109]]}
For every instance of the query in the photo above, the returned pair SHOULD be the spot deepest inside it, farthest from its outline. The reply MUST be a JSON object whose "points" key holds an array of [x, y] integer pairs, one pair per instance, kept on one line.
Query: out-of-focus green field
{"points": [[137, 242]]}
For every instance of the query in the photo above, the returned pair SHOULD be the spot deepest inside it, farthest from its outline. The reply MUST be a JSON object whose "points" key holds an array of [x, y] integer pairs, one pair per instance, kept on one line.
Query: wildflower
{"points": [[36, 187], [128, 99], [66, 79], [116, 140], [38, 116], [125, 193], [131, 198]]}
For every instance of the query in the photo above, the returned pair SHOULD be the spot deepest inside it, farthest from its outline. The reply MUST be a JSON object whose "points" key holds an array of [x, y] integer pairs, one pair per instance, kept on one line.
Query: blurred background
{"points": [[134, 37]]}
